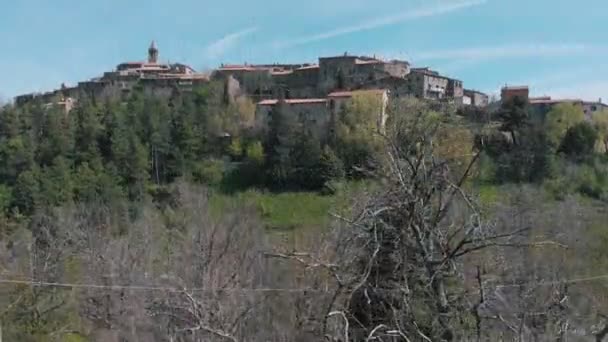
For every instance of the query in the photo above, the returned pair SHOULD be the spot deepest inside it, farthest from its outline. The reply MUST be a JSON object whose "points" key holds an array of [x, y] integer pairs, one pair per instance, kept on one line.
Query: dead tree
{"points": [[398, 262]]}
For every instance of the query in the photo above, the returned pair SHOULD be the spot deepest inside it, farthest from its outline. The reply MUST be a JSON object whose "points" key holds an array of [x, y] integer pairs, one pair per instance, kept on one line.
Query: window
{"points": [[593, 108]]}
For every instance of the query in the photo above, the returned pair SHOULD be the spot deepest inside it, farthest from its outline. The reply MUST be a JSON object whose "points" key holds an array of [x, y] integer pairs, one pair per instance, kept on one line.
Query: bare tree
{"points": [[398, 264]]}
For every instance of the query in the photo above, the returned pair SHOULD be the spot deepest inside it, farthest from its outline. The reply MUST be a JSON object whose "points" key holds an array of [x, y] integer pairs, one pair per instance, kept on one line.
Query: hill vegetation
{"points": [[177, 220]]}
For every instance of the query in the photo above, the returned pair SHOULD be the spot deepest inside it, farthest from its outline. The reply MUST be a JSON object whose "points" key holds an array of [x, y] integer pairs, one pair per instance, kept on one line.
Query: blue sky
{"points": [[558, 47]]}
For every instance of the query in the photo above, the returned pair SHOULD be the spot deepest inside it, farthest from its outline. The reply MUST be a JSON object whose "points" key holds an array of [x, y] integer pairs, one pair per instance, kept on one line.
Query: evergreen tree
{"points": [[157, 134], [306, 162], [280, 144], [88, 132], [514, 116], [130, 157], [56, 185], [55, 137], [16, 146], [579, 141], [26, 191], [186, 140]]}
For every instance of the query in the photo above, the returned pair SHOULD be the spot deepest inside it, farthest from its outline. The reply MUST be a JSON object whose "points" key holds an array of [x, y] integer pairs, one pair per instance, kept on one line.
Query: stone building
{"points": [[509, 92], [429, 84], [540, 106], [319, 114], [160, 79], [591, 107], [298, 83], [315, 114], [353, 72], [476, 98]]}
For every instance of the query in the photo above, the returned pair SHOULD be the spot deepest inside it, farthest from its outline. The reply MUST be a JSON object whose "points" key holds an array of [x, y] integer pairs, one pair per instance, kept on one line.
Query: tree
{"points": [[186, 137], [130, 158], [561, 118], [156, 125], [530, 161], [306, 161], [397, 262], [600, 120], [579, 140], [331, 167], [88, 132], [56, 186], [357, 139], [280, 145], [55, 137], [514, 116], [26, 191]]}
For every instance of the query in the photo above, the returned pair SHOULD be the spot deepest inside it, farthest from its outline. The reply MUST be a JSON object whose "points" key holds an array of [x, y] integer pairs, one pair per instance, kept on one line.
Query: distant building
{"points": [[589, 108], [509, 92], [476, 98], [319, 114], [263, 81], [156, 78], [542, 105]]}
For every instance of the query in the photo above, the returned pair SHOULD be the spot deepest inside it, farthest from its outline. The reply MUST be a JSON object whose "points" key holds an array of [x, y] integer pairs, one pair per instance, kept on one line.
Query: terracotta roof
{"points": [[273, 102], [354, 92], [598, 103], [237, 69], [543, 101], [282, 72], [363, 62], [515, 88], [540, 98], [314, 66]]}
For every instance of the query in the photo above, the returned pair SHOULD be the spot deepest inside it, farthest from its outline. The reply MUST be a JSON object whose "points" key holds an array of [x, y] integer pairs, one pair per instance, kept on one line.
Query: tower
{"points": [[153, 53]]}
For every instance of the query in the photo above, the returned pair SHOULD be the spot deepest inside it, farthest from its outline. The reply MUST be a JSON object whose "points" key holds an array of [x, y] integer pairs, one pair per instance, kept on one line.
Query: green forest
{"points": [[175, 219]]}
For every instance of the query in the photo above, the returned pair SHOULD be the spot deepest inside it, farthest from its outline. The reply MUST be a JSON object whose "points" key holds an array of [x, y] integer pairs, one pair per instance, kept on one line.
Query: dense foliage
{"points": [[120, 152], [108, 194]]}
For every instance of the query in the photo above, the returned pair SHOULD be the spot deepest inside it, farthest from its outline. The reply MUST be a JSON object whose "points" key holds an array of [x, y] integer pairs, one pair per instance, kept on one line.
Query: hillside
{"points": [[175, 219]]}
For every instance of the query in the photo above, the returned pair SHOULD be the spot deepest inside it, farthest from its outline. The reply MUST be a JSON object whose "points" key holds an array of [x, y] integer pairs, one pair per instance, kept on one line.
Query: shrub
{"points": [[579, 141], [210, 172]]}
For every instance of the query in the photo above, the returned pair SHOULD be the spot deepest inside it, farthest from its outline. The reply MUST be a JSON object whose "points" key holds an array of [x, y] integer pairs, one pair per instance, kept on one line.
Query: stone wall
{"points": [[336, 72], [313, 113]]}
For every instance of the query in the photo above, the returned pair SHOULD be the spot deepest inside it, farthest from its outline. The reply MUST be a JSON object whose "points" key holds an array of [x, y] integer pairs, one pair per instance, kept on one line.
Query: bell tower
{"points": [[153, 53]]}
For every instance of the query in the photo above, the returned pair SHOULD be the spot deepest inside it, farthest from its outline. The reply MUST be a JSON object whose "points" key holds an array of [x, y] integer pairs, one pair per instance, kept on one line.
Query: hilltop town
{"points": [[306, 87], [271, 81]]}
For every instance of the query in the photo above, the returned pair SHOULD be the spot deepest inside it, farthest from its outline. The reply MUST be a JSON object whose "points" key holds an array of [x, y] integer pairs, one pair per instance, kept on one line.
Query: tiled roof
{"points": [[515, 88], [557, 101], [273, 102], [372, 61], [282, 72], [314, 66], [540, 98], [354, 92]]}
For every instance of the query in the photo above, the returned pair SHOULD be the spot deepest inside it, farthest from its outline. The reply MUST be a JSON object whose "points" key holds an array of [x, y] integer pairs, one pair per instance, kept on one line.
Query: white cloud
{"points": [[443, 8], [221, 46], [513, 51]]}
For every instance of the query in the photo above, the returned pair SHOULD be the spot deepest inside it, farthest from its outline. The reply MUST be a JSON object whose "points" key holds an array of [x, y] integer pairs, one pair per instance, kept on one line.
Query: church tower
{"points": [[153, 53]]}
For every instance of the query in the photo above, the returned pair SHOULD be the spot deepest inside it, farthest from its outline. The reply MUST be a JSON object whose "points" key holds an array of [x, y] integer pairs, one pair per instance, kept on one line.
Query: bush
{"points": [[588, 182], [210, 172], [579, 141], [531, 161]]}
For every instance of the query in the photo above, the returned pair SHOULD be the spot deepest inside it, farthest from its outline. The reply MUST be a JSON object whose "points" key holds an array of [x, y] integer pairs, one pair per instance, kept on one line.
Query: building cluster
{"points": [[160, 79], [347, 73], [543, 104], [315, 92]]}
